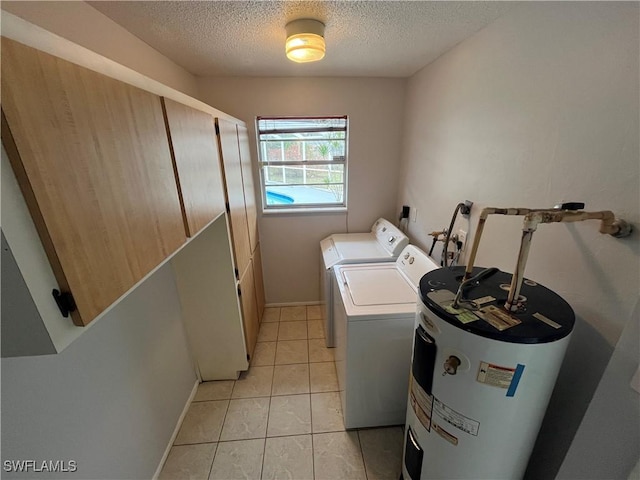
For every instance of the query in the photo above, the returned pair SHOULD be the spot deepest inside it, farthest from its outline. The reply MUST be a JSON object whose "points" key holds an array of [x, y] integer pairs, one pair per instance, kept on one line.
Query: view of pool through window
{"points": [[303, 161], [274, 198]]}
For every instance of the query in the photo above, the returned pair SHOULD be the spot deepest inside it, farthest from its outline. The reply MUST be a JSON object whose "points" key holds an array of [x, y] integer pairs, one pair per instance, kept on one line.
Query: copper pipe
{"points": [[533, 217], [518, 274], [608, 224], [481, 221]]}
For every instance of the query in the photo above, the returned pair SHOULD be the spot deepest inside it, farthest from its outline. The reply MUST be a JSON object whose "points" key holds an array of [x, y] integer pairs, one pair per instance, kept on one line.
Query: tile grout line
{"points": [[313, 452], [266, 430], [311, 408], [264, 445], [220, 433], [213, 460], [366, 474]]}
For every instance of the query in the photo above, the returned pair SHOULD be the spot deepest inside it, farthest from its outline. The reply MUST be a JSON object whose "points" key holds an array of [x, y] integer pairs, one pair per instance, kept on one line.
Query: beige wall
{"points": [[539, 107], [290, 243], [82, 24]]}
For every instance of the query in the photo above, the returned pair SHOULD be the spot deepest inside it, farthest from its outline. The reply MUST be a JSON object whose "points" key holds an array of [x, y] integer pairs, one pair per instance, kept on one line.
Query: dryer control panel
{"points": [[414, 263], [390, 236]]}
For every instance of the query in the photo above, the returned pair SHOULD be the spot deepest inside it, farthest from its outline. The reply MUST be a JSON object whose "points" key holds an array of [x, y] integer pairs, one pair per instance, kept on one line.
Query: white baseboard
{"points": [[293, 304], [176, 430]]}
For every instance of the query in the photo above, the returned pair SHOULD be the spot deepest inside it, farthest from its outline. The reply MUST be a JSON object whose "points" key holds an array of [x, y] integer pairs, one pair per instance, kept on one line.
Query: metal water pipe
{"points": [[532, 218]]}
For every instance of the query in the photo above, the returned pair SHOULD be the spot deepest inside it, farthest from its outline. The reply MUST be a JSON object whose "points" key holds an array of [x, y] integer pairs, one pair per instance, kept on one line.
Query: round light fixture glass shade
{"points": [[305, 40]]}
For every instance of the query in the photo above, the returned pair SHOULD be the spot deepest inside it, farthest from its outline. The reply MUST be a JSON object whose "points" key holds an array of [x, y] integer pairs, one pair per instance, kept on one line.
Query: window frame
{"points": [[262, 164]]}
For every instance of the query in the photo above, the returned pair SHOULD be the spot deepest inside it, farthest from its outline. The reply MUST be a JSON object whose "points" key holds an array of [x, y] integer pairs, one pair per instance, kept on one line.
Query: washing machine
{"points": [[374, 313], [382, 244], [481, 376]]}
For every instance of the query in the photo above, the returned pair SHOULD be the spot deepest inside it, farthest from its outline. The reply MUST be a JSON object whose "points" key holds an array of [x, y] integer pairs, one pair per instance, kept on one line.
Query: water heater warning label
{"points": [[421, 403], [454, 418], [502, 377], [495, 375]]}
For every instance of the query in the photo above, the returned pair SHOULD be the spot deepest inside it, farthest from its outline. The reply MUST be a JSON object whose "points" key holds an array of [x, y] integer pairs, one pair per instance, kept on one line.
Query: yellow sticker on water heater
{"points": [[497, 318], [452, 439], [421, 403]]}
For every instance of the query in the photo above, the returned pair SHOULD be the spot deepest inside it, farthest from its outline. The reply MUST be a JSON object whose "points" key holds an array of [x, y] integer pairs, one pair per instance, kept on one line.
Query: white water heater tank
{"points": [[481, 380]]}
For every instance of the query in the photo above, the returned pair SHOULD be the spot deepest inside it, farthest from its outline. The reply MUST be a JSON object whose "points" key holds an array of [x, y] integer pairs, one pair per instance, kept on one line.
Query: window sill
{"points": [[304, 211]]}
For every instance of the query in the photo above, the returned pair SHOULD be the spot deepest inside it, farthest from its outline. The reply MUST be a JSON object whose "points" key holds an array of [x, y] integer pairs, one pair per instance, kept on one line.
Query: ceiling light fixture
{"points": [[305, 40]]}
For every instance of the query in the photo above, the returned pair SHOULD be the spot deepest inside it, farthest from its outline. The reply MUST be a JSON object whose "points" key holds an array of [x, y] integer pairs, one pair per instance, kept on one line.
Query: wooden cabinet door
{"points": [[249, 309], [92, 159], [247, 180], [259, 281], [232, 172], [192, 137]]}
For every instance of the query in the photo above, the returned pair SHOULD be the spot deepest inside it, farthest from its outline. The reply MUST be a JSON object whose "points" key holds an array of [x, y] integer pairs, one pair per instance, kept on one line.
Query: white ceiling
{"points": [[246, 38]]}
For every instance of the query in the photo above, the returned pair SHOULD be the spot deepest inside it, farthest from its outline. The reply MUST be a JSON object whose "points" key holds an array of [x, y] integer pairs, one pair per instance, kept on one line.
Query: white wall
{"points": [[539, 107], [111, 400], [290, 243], [82, 24]]}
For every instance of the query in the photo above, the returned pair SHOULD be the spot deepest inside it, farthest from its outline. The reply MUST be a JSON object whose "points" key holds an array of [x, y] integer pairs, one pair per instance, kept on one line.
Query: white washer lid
{"points": [[362, 249], [352, 237], [353, 248], [378, 286]]}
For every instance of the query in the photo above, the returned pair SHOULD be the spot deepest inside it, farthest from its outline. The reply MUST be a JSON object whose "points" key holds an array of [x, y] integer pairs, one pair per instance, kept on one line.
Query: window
{"points": [[303, 162]]}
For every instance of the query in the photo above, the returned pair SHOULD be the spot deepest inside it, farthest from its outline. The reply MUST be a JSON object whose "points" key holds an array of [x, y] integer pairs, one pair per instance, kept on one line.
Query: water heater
{"points": [[481, 375]]}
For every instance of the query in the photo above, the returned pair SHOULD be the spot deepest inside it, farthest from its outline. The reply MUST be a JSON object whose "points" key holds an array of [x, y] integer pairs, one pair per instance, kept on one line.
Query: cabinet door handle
{"points": [[65, 302]]}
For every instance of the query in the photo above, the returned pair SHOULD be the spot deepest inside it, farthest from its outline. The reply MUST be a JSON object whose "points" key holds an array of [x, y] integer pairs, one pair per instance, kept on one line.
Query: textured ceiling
{"points": [[246, 38]]}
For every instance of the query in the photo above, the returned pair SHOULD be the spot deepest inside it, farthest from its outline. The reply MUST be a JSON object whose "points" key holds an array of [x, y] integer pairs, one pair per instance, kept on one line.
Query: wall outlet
{"points": [[414, 214], [466, 210], [462, 237]]}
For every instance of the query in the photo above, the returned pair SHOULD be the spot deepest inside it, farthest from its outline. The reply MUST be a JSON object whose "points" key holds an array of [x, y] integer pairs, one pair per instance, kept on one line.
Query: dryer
{"points": [[374, 313], [382, 244]]}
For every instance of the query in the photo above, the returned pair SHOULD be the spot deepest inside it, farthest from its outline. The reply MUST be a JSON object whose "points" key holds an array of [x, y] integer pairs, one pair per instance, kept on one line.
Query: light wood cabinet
{"points": [[194, 150], [234, 189], [247, 181], [238, 176], [113, 180], [92, 159], [250, 318], [252, 215]]}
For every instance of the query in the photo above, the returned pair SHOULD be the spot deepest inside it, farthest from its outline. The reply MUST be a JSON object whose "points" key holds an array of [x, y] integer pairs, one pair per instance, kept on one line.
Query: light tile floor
{"points": [[282, 418]]}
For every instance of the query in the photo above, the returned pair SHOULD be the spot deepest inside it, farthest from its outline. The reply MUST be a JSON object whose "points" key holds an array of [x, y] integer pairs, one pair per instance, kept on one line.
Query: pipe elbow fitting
{"points": [[619, 228]]}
